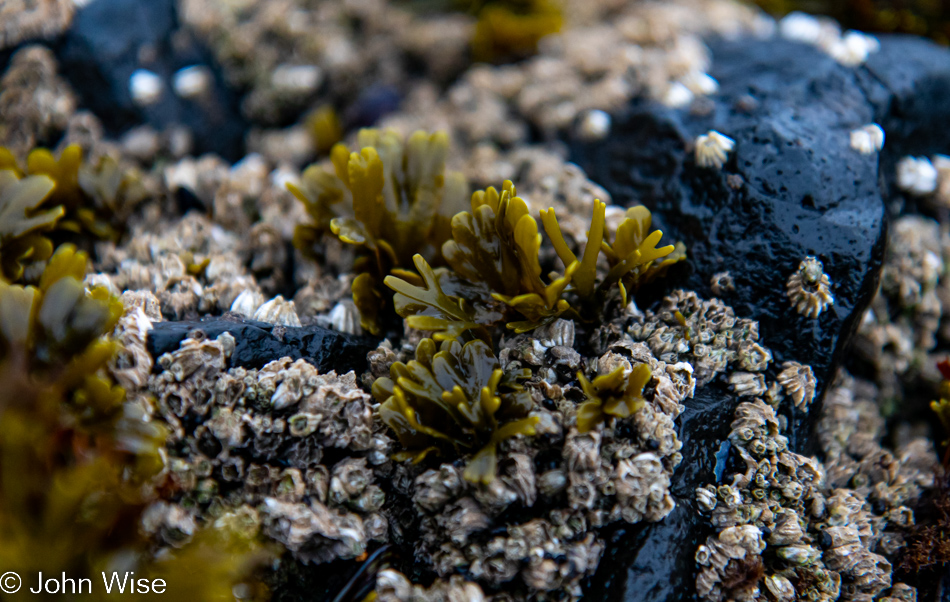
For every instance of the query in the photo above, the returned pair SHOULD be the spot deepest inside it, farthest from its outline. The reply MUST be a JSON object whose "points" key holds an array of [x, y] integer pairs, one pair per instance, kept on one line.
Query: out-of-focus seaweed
{"points": [[94, 199], [455, 398], [22, 224], [77, 462], [512, 29], [391, 200]]}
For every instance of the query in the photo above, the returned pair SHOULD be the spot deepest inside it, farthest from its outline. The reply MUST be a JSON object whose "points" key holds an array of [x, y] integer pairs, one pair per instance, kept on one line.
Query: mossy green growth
{"points": [[392, 199], [495, 270], [618, 394], [455, 397]]}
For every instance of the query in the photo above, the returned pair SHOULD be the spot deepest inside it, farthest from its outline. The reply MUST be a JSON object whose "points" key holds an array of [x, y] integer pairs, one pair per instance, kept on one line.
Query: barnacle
{"points": [[634, 258], [391, 199], [809, 288], [713, 148], [22, 227], [457, 397], [868, 139], [618, 394]]}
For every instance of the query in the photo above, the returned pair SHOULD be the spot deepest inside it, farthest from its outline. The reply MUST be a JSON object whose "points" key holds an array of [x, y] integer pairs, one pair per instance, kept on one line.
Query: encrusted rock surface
{"points": [[792, 188]]}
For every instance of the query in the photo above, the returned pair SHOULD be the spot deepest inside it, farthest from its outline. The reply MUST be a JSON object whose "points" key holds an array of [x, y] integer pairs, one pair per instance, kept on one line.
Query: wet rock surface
{"points": [[792, 188], [258, 343], [109, 41]]}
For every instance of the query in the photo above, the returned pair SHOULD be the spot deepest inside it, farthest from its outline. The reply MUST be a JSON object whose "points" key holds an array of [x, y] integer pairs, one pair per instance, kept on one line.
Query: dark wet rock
{"points": [[110, 39], [258, 343], [793, 187]]}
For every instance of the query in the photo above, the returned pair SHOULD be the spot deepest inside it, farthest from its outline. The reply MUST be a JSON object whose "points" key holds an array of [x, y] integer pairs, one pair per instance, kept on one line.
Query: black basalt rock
{"points": [[793, 187], [258, 343], [110, 39]]}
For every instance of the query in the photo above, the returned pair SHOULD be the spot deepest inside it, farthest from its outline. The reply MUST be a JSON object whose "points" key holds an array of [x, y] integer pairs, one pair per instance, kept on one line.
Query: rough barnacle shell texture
{"points": [[132, 364], [799, 383], [809, 288], [706, 334], [341, 408], [278, 311], [314, 532], [643, 489], [393, 586]]}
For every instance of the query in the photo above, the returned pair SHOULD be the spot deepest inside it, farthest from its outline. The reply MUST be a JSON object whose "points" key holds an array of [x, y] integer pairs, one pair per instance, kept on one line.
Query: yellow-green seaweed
{"points": [[618, 394], [392, 199], [457, 398]]}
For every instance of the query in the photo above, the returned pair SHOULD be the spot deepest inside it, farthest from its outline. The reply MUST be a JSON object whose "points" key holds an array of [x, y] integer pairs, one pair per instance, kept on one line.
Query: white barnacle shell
{"points": [[145, 87], [713, 148], [809, 288], [753, 357], [917, 175], [798, 381], [344, 317], [800, 27], [853, 48], [747, 384], [392, 586], [678, 96], [278, 311], [699, 83], [299, 79], [303, 424], [800, 555], [780, 588], [247, 302], [594, 125], [192, 81], [706, 498], [787, 529], [868, 139]]}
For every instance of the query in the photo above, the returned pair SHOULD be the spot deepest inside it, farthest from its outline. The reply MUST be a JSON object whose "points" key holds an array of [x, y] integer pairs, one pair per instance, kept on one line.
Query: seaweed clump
{"points": [[494, 256], [391, 199], [618, 394], [94, 199], [512, 29], [23, 226], [457, 397], [77, 462]]}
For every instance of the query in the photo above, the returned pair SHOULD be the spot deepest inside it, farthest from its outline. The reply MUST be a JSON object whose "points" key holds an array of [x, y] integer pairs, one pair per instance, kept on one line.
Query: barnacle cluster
{"points": [[903, 327], [254, 442], [391, 199], [789, 528], [707, 334]]}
